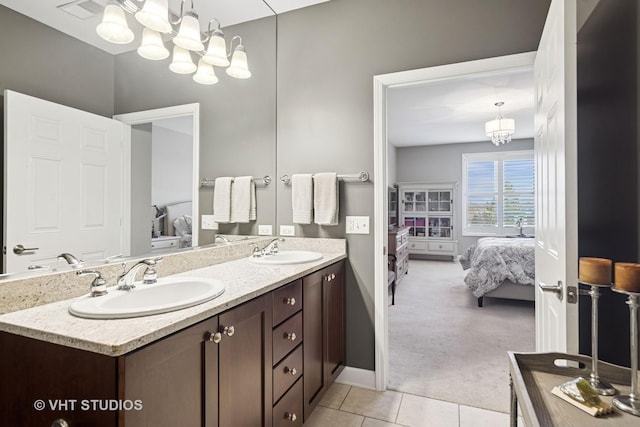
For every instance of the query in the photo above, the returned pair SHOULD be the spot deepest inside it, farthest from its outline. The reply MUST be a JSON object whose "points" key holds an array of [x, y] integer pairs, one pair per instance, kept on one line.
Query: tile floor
{"points": [[346, 406]]}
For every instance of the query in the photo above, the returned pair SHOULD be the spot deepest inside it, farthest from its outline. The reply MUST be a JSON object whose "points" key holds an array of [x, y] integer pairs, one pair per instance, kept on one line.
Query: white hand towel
{"points": [[222, 199], [325, 198], [253, 210], [302, 198], [241, 199]]}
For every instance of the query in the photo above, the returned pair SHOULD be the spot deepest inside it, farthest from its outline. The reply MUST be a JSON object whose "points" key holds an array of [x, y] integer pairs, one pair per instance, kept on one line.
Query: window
{"points": [[497, 191]]}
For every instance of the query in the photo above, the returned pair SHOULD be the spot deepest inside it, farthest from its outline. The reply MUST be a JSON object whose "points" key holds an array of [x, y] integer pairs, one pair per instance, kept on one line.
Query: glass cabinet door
{"points": [[414, 201], [440, 227], [440, 201], [417, 225]]}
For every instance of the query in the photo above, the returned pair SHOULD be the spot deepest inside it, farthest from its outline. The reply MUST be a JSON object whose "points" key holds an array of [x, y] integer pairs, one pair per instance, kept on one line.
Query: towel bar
{"points": [[207, 182], [362, 176]]}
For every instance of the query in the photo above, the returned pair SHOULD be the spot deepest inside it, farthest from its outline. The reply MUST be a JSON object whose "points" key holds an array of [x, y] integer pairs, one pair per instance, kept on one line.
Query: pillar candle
{"points": [[627, 276], [596, 271]]}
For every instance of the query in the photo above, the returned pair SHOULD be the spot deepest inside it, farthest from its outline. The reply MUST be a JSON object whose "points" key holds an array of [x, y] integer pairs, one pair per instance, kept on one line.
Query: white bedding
{"points": [[492, 260]]}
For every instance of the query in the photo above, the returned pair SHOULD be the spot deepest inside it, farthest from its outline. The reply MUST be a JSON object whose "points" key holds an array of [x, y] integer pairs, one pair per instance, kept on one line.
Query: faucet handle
{"points": [[152, 261], [98, 284]]}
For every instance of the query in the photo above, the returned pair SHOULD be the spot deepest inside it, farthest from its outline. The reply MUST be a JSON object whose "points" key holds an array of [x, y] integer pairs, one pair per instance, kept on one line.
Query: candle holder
{"points": [[630, 403], [601, 387]]}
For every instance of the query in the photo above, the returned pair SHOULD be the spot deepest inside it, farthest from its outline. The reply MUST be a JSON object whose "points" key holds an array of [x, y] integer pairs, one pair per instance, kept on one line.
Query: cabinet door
{"points": [[313, 327], [245, 365], [334, 294], [166, 377]]}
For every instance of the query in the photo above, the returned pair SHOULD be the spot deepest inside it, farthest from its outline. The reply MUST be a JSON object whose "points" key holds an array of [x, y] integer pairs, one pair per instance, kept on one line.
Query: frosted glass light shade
{"points": [[113, 27], [189, 34], [154, 15], [182, 62], [205, 74], [217, 50], [500, 130], [152, 46], [239, 67]]}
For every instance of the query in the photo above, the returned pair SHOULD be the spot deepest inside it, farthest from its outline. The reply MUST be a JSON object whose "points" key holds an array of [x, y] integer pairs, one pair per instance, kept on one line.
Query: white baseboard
{"points": [[363, 378]]}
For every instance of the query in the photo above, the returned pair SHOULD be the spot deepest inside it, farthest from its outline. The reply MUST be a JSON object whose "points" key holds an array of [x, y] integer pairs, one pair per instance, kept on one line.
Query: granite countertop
{"points": [[243, 281]]}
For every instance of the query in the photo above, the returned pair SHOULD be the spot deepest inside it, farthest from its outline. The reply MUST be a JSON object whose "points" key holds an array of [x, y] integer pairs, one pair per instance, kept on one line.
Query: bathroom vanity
{"points": [[262, 354]]}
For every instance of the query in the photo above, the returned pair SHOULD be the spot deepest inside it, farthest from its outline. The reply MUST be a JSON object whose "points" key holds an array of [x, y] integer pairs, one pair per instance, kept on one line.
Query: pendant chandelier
{"points": [[500, 129], [185, 33]]}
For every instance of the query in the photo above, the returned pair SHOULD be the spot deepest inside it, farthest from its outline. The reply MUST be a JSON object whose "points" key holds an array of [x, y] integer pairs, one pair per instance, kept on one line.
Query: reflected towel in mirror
{"points": [[242, 193]]}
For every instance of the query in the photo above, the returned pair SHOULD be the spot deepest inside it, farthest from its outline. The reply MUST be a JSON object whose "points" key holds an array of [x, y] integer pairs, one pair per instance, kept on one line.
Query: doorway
{"points": [[381, 84], [138, 238]]}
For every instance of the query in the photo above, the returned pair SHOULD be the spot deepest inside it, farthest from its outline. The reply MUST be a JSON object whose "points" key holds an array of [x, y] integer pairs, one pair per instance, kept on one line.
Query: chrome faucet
{"points": [[269, 249], [72, 260], [98, 284], [150, 276], [221, 238], [519, 225]]}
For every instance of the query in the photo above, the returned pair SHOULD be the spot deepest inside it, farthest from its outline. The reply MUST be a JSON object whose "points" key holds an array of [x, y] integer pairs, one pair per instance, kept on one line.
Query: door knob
{"points": [[556, 289], [19, 249]]}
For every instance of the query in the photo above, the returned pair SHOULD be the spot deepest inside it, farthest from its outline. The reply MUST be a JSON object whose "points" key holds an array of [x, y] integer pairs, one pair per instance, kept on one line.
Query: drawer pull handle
{"points": [[290, 336], [215, 337], [290, 416], [289, 301], [292, 371], [229, 331]]}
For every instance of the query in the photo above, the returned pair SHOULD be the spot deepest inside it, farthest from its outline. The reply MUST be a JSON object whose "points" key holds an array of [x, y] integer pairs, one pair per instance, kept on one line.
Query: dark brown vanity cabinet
{"points": [[215, 373], [324, 332], [264, 363]]}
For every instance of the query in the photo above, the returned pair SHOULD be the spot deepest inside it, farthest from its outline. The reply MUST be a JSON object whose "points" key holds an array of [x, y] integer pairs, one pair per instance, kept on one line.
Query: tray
{"points": [[533, 375]]}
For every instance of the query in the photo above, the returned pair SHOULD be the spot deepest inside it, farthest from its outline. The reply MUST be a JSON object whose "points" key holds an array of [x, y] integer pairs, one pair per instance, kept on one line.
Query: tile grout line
{"points": [[395, 420]]}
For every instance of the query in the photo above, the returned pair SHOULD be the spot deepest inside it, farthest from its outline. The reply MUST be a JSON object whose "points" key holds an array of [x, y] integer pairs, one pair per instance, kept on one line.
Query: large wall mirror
{"points": [[237, 130]]}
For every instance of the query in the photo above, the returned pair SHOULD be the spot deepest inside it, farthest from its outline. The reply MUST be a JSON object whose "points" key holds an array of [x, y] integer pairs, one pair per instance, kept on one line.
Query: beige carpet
{"points": [[443, 346]]}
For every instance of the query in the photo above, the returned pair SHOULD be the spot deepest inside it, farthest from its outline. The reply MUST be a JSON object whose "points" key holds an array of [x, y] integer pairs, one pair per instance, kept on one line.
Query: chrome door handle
{"points": [[556, 289], [19, 249]]}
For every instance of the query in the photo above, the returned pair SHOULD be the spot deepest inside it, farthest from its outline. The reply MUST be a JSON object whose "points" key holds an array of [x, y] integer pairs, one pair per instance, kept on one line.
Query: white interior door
{"points": [[63, 183], [556, 186]]}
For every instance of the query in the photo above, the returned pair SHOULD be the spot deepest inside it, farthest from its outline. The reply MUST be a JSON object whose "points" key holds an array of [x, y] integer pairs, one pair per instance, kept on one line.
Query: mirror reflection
{"points": [[236, 134]]}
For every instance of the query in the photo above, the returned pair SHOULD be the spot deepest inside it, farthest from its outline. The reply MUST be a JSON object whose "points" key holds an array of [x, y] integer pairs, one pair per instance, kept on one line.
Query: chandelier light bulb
{"points": [[182, 62], [155, 15], [217, 50], [205, 74], [113, 27], [152, 46], [189, 34], [239, 67], [500, 129]]}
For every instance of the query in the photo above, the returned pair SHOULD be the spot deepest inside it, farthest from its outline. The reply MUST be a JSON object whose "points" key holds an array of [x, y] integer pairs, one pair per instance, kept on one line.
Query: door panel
{"points": [[556, 168], [63, 186]]}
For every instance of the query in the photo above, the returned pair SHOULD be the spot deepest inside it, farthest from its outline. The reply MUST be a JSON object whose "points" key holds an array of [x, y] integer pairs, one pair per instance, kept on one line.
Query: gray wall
{"points": [[141, 213], [39, 61], [171, 166], [327, 57], [443, 163]]}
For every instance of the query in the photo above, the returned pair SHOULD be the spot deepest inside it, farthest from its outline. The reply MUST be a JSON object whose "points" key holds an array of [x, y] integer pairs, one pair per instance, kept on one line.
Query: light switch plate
{"points": [[208, 223], [265, 230], [287, 230], [357, 225]]}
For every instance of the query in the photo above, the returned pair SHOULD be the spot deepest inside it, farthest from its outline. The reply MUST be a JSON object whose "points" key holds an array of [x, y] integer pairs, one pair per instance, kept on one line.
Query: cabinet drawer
{"points": [[287, 301], [417, 246], [402, 252], [288, 412], [404, 238], [286, 373], [399, 269], [164, 243], [441, 247], [286, 337]]}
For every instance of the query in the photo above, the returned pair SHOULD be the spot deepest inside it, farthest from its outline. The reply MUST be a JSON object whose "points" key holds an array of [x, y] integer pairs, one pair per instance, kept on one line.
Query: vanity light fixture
{"points": [[184, 31], [500, 129]]}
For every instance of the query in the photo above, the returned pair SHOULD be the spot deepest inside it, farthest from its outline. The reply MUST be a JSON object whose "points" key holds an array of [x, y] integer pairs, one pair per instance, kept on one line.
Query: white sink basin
{"points": [[168, 294], [287, 257]]}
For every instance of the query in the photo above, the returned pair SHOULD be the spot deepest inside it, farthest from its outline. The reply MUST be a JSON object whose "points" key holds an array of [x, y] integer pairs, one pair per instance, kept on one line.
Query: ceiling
{"points": [[455, 110], [228, 12]]}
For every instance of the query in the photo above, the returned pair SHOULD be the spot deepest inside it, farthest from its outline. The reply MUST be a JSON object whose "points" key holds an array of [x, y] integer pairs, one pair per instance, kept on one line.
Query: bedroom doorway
{"points": [[163, 182], [381, 84]]}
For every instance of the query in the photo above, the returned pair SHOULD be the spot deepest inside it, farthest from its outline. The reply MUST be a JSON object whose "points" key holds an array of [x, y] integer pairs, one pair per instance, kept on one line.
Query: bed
{"points": [[178, 222], [500, 267]]}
